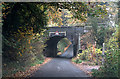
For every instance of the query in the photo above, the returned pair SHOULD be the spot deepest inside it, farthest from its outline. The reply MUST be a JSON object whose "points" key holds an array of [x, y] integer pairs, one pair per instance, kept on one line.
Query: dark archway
{"points": [[51, 49]]}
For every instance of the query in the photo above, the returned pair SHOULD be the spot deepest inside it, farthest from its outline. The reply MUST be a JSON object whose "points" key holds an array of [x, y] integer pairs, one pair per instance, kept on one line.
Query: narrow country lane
{"points": [[59, 67], [68, 53]]}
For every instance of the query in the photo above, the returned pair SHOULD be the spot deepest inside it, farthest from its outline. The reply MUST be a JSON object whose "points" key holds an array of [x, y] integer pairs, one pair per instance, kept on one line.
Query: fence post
{"points": [[79, 42], [103, 50]]}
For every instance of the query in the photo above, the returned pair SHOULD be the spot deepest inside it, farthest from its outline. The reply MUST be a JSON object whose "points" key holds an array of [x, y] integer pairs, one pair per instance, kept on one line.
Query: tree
{"points": [[79, 10], [22, 20], [23, 15], [119, 24], [119, 34]]}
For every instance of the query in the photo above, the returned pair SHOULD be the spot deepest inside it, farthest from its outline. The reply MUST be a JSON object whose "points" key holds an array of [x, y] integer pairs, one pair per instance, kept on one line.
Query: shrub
{"points": [[110, 67], [89, 55], [77, 61]]}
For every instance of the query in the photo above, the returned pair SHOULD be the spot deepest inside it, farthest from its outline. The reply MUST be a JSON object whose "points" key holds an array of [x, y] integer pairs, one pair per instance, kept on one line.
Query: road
{"points": [[60, 67], [68, 53]]}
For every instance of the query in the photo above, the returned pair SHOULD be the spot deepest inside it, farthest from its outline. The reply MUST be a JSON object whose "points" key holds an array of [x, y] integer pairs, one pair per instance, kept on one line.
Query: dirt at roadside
{"points": [[86, 68]]}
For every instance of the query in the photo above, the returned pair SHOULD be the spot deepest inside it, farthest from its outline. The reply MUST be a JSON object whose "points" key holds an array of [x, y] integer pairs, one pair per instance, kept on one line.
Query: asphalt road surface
{"points": [[68, 53], [59, 67]]}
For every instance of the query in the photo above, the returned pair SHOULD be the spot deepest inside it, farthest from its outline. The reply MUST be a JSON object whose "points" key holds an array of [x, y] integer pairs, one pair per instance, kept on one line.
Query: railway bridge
{"points": [[72, 33]]}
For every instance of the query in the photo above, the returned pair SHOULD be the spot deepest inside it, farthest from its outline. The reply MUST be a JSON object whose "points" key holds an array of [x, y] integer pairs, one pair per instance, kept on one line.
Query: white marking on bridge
{"points": [[58, 32]]}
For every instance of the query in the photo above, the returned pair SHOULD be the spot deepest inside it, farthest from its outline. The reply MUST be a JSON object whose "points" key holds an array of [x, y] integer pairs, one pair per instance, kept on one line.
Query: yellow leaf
{"points": [[20, 54], [22, 51], [29, 41], [30, 47]]}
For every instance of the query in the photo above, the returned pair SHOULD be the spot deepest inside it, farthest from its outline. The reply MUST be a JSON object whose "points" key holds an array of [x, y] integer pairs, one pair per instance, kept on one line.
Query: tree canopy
{"points": [[23, 20]]}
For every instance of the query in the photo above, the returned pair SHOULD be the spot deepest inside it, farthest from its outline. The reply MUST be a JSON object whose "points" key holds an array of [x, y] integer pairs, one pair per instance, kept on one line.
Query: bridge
{"points": [[57, 33]]}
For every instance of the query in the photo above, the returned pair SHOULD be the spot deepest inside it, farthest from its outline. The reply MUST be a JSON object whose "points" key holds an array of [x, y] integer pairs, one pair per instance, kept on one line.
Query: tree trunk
{"points": [[119, 36]]}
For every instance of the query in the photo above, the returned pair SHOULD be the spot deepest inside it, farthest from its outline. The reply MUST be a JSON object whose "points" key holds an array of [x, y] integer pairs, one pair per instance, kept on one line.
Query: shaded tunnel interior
{"points": [[51, 49]]}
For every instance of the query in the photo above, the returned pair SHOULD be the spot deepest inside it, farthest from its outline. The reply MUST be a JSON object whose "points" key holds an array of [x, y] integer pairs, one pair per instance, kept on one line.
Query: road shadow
{"points": [[61, 57]]}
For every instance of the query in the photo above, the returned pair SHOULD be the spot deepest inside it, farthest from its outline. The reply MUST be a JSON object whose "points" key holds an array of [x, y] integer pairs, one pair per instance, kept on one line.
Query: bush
{"points": [[89, 55], [23, 58], [110, 67], [77, 61], [82, 56]]}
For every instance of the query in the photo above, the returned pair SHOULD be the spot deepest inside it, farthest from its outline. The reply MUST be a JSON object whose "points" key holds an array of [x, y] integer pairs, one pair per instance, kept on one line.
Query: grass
{"points": [[14, 67], [77, 61], [85, 61], [37, 62]]}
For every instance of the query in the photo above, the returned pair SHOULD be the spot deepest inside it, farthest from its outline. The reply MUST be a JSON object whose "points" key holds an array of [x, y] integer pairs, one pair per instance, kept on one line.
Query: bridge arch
{"points": [[51, 48]]}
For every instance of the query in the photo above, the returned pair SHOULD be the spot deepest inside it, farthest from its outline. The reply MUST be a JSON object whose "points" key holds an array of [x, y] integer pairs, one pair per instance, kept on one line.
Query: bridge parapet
{"points": [[51, 34], [68, 29]]}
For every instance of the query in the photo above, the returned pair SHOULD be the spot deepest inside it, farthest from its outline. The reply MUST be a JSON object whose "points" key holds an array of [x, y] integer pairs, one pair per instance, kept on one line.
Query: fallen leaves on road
{"points": [[30, 70]]}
